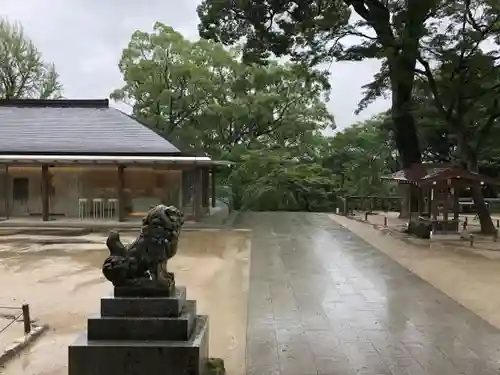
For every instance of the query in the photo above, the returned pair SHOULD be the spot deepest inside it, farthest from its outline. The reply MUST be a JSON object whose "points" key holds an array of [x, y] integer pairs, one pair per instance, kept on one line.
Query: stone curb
{"points": [[51, 230], [22, 343], [230, 220]]}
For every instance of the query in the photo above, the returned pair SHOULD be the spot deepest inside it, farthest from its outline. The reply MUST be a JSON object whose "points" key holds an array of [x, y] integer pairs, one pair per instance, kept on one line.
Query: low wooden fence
{"points": [[369, 203], [18, 313]]}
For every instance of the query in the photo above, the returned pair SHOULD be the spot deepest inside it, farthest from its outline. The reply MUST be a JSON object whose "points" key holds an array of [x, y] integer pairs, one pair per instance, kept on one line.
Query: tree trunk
{"points": [[404, 191], [469, 156], [483, 213], [405, 132]]}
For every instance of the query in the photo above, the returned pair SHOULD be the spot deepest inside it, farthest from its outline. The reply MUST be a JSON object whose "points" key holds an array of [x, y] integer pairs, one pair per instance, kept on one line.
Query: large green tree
{"points": [[23, 72], [267, 119], [463, 84], [313, 31], [360, 155], [201, 95], [276, 179]]}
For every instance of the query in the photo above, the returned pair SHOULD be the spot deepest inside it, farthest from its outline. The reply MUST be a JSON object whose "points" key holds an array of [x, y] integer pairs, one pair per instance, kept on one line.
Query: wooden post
{"points": [[446, 208], [197, 199], [456, 206], [420, 202], [205, 186], [213, 186], [433, 203], [121, 197], [45, 193], [180, 194], [410, 197], [429, 202], [26, 319], [7, 191]]}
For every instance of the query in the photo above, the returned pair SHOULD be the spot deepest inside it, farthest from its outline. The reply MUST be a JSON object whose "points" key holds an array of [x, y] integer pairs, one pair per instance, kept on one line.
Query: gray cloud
{"points": [[85, 38]]}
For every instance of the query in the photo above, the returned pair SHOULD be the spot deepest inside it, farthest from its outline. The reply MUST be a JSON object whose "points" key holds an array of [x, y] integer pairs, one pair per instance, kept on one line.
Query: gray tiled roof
{"points": [[74, 127]]}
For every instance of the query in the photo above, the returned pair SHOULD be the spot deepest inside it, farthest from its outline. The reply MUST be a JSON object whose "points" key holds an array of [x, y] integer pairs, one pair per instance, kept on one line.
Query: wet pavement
{"points": [[320, 301], [323, 301], [62, 282]]}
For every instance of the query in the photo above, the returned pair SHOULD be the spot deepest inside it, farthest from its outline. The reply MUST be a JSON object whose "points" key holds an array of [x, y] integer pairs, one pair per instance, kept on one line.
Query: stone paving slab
{"points": [[323, 301]]}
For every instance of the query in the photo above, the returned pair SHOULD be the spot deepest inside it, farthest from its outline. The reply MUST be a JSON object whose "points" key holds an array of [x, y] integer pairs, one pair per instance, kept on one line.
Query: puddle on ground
{"points": [[63, 285]]}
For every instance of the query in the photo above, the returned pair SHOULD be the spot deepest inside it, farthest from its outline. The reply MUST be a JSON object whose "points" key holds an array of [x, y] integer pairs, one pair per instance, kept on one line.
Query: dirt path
{"points": [[470, 279], [63, 285]]}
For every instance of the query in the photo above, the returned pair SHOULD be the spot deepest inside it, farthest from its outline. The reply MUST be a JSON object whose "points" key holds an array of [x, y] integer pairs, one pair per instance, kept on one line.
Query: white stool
{"points": [[98, 208], [83, 208], [112, 208]]}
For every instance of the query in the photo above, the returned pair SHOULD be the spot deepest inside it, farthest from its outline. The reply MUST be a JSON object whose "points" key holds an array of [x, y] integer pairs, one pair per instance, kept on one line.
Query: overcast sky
{"points": [[84, 38]]}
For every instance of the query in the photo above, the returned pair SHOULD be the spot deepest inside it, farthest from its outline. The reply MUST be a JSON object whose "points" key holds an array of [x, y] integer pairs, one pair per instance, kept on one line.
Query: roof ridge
{"points": [[56, 103]]}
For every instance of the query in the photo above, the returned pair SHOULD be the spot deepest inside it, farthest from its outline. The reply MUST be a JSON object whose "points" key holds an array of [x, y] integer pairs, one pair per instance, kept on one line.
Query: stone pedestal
{"points": [[136, 335]]}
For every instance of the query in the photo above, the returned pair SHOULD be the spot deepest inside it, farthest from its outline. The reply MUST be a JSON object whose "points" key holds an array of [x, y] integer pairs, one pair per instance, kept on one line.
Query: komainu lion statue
{"points": [[143, 263]]}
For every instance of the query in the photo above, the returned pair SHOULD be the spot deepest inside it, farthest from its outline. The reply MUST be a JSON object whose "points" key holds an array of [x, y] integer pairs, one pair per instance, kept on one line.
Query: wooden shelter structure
{"points": [[437, 189], [83, 160]]}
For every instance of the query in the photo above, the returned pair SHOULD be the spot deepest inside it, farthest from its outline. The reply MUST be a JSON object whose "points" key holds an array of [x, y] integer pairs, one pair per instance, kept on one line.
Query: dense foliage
{"points": [[440, 64], [434, 53], [23, 73], [274, 181], [267, 119], [201, 96]]}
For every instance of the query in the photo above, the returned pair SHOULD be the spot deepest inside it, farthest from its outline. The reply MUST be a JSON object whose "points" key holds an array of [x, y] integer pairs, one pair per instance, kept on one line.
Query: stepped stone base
{"points": [[144, 307], [147, 291], [150, 335], [144, 328], [141, 357]]}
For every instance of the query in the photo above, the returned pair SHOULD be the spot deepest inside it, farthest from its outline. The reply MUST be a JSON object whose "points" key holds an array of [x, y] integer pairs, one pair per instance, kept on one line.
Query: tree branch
{"points": [[434, 88], [485, 130]]}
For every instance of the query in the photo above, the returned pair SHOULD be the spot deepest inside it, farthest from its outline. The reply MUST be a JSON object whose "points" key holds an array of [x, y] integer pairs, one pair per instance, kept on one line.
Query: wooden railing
{"points": [[369, 203], [22, 312]]}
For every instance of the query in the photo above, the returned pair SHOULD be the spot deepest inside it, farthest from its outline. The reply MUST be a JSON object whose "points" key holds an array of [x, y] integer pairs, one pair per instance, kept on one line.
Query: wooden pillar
{"points": [[420, 202], [45, 193], [121, 196], [433, 203], [410, 198], [429, 202], [197, 198], [205, 187], [7, 191], [456, 206], [447, 201], [180, 193], [213, 186], [446, 206]]}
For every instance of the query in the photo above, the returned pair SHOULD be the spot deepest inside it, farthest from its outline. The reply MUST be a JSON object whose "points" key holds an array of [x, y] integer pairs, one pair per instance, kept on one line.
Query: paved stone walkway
{"points": [[322, 301]]}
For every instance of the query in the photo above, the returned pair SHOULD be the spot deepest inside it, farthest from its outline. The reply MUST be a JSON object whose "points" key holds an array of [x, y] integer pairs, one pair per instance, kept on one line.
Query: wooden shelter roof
{"points": [[433, 173], [75, 127]]}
